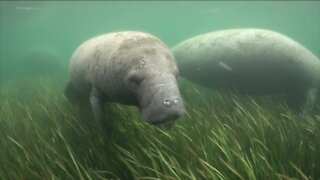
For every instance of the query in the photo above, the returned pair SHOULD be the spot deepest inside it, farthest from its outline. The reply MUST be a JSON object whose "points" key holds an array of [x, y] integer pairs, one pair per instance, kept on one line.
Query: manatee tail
{"points": [[72, 94]]}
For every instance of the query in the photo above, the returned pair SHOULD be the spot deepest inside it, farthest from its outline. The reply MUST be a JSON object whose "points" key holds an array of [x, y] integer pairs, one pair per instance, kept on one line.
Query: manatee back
{"points": [[83, 60], [252, 60]]}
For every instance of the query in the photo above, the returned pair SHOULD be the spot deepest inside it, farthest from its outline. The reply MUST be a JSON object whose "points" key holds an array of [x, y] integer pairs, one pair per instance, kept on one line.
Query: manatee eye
{"points": [[134, 81]]}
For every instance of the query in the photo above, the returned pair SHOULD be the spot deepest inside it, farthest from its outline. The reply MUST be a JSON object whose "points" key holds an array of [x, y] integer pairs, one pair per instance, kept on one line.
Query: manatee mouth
{"points": [[160, 122], [166, 124], [166, 120]]}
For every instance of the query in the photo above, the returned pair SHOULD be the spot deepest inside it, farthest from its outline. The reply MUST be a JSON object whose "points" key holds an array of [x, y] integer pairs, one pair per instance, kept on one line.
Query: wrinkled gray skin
{"points": [[252, 62], [132, 68]]}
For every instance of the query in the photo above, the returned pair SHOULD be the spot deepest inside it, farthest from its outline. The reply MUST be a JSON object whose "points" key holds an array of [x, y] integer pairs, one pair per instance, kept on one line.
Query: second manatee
{"points": [[252, 62]]}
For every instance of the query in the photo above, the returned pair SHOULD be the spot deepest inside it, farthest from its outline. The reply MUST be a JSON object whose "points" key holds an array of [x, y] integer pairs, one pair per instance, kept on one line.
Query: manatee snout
{"points": [[169, 109], [162, 103]]}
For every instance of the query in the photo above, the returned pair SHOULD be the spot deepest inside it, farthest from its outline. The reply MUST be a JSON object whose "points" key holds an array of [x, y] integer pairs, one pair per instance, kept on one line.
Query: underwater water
{"points": [[221, 137]]}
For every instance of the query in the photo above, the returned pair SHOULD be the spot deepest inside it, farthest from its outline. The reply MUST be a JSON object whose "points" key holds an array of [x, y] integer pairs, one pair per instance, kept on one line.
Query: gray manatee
{"points": [[252, 62], [132, 68]]}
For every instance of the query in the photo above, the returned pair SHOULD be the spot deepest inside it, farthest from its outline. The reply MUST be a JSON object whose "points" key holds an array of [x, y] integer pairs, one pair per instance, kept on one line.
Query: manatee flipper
{"points": [[303, 102], [72, 94], [295, 101], [97, 105], [311, 97]]}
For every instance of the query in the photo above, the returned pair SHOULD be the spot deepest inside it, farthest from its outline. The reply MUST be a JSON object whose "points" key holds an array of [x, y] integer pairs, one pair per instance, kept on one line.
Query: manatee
{"points": [[131, 68], [252, 62]]}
